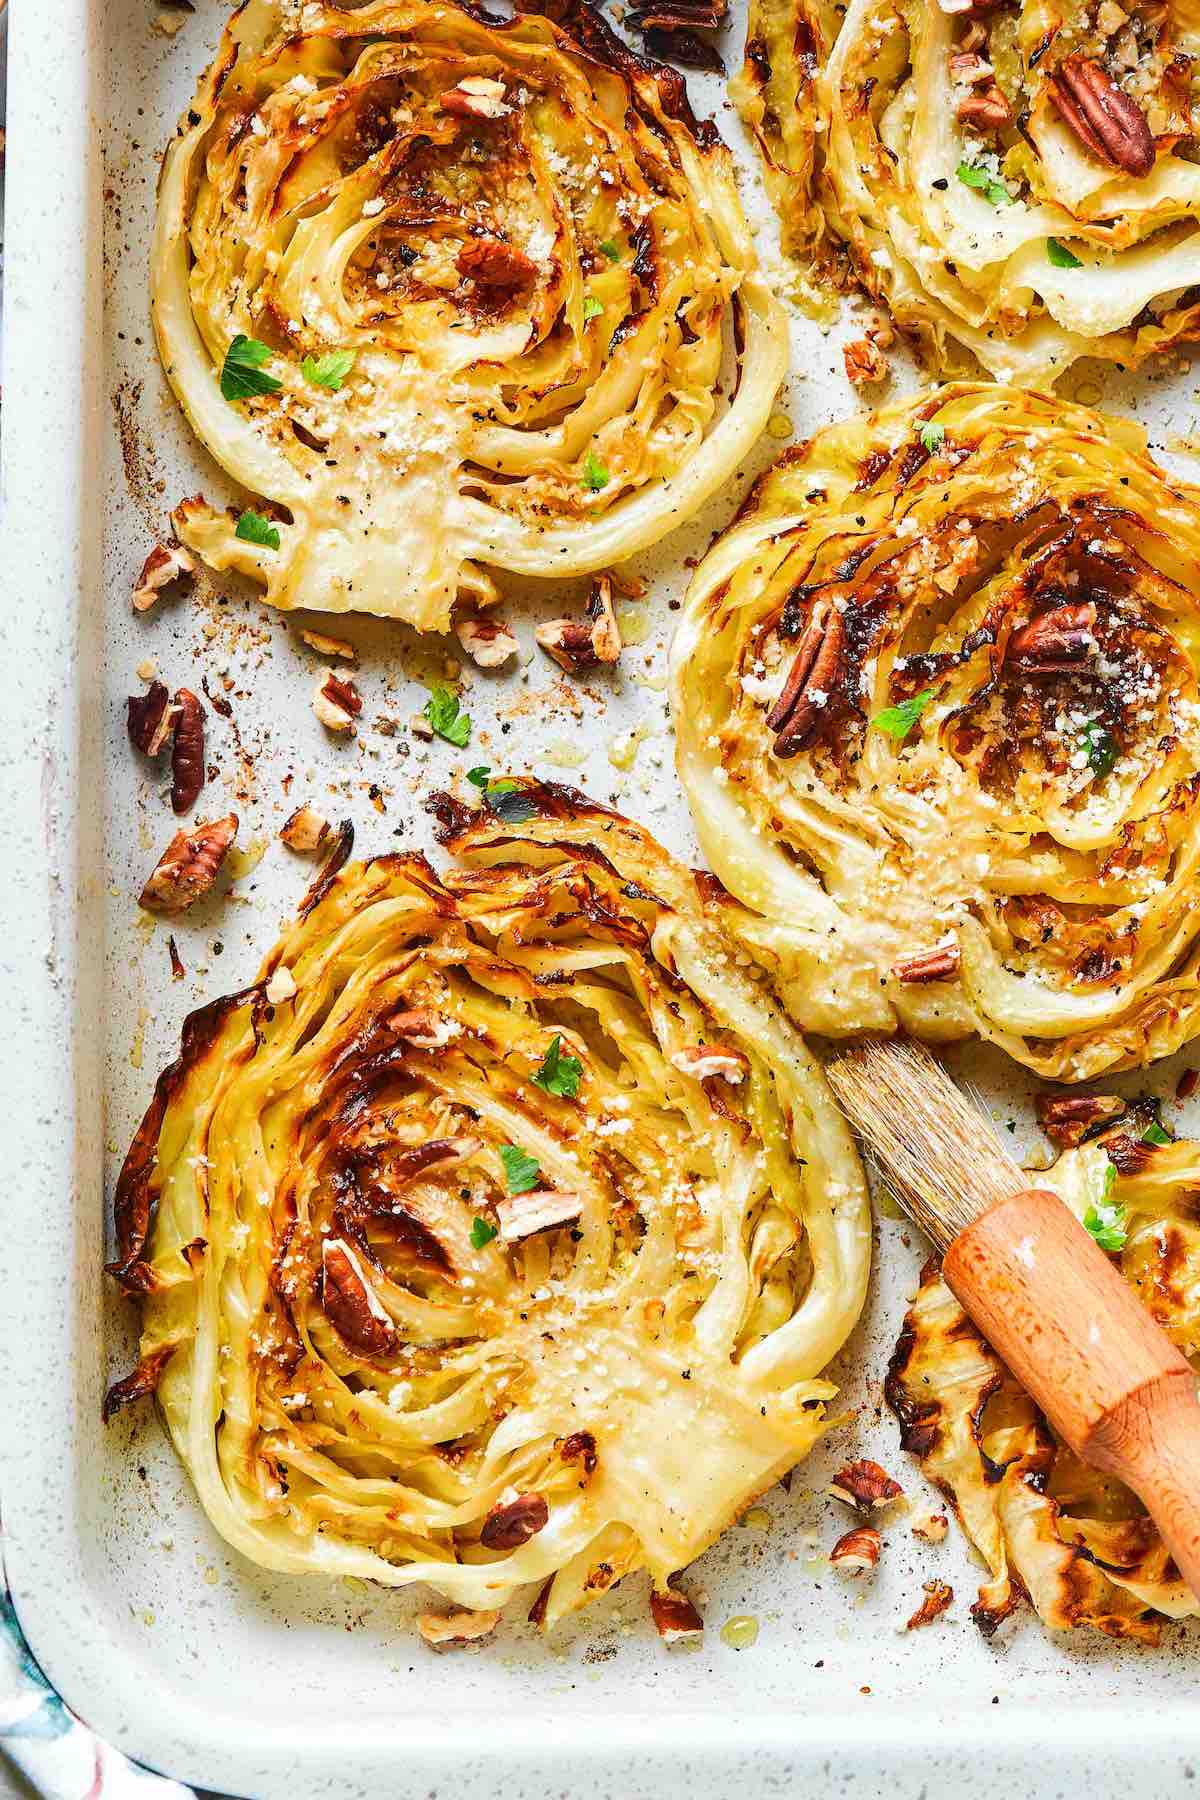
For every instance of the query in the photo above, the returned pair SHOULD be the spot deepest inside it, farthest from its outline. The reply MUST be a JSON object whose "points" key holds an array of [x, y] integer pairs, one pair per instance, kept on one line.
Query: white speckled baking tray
{"points": [[166, 1642]]}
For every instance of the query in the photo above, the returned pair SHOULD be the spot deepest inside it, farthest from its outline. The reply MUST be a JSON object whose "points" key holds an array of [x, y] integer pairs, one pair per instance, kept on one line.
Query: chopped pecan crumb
{"points": [[330, 646], [165, 564], [336, 703], [522, 1215], [576, 646], [350, 1303], [305, 830], [856, 1550], [1067, 1119], [487, 641], [424, 1029], [442, 1631], [942, 963], [938, 1595], [579, 1447], [149, 718], [492, 263], [931, 1527], [187, 752], [865, 362], [189, 866], [512, 1523], [865, 1485], [703, 1061], [675, 1617]]}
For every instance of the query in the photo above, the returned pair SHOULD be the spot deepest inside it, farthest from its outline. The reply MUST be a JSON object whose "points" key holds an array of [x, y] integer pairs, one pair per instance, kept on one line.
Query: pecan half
{"points": [[1067, 1119], [575, 646], [675, 1617], [865, 1484], [865, 362], [476, 97], [491, 263], [938, 1595], [942, 963], [189, 866], [1055, 642], [336, 703], [187, 752], [856, 1550], [1102, 116], [149, 719], [349, 1302], [512, 1523], [442, 1631], [803, 705], [165, 564], [702, 1061], [305, 830], [488, 642], [523, 1215]]}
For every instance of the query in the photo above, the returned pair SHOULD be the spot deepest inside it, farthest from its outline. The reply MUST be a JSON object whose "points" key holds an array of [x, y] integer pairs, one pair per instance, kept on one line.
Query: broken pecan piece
{"points": [[1067, 1119], [476, 97], [336, 703], [488, 642], [865, 1485], [856, 1550], [512, 1523], [938, 1595], [305, 830], [187, 752], [442, 1631], [1055, 642], [329, 646], [675, 1617], [165, 564], [865, 362], [803, 706], [149, 719], [1102, 116], [544, 1209], [931, 1527], [350, 1304], [424, 1029], [575, 646], [942, 963], [189, 866], [985, 110], [491, 263]]}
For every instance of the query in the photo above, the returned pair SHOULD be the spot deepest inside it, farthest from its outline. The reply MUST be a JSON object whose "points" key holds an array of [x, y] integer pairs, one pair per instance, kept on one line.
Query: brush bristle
{"points": [[942, 1158]]}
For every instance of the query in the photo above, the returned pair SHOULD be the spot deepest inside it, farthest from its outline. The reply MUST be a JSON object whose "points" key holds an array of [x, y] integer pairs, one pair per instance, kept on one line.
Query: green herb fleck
{"points": [[441, 709], [330, 370], [610, 250], [241, 373], [481, 1233], [898, 721], [1101, 747], [595, 475], [559, 1074], [252, 528], [521, 1171], [933, 436], [1106, 1222], [972, 175], [591, 308], [1154, 1134], [1060, 256], [479, 777]]}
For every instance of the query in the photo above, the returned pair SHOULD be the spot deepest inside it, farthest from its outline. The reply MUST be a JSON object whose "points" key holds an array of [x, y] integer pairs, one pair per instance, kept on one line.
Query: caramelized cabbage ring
{"points": [[496, 266], [1077, 1543], [950, 155], [935, 699], [412, 1316]]}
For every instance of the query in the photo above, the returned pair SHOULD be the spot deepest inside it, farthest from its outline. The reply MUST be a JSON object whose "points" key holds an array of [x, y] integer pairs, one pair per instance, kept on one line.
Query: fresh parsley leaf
{"points": [[479, 777], [252, 528], [1101, 747], [1154, 1134], [972, 175], [932, 436], [441, 709], [481, 1233], [1106, 1219], [1060, 256], [330, 370], [507, 802], [522, 1172], [610, 250], [898, 721], [595, 475], [241, 373], [559, 1074], [591, 308]]}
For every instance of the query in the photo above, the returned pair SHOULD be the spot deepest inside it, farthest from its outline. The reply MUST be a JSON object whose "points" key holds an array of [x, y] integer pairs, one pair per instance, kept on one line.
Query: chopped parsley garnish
{"points": [[973, 175], [441, 709], [1060, 256], [609, 249], [591, 308], [932, 436], [1105, 1219], [521, 1171], [502, 797], [559, 1074], [479, 777], [242, 371], [1101, 747], [330, 370], [1154, 1134], [899, 720], [481, 1233], [252, 528], [595, 475]]}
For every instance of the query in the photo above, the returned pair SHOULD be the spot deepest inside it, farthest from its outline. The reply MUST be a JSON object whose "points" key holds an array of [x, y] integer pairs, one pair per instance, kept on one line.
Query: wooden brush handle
{"points": [[1073, 1333]]}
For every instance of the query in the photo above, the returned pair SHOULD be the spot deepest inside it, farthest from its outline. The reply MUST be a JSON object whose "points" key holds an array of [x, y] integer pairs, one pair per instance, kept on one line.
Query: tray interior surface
{"points": [[158, 1634]]}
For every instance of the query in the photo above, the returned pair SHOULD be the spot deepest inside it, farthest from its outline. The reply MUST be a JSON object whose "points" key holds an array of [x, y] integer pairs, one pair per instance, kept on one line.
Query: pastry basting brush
{"points": [[1039, 1288]]}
